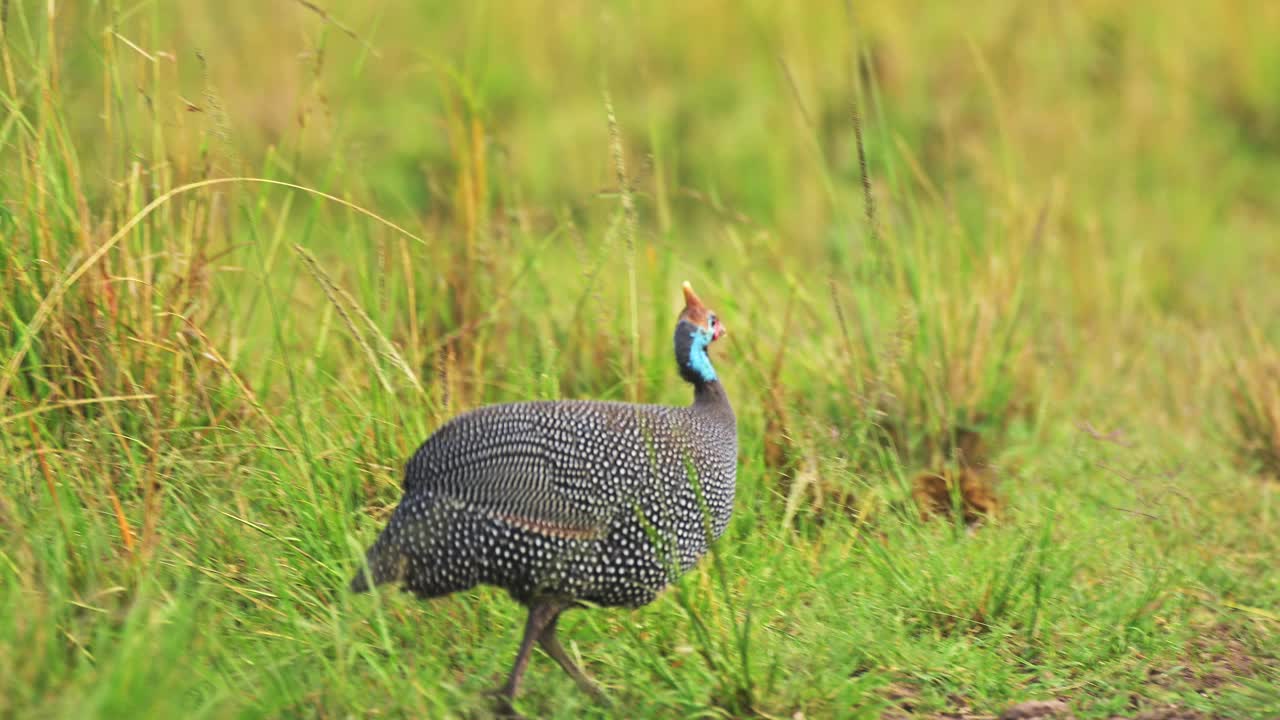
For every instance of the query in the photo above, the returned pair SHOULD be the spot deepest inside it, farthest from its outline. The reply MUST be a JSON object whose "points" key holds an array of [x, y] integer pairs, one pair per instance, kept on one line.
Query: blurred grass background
{"points": [[1048, 227]]}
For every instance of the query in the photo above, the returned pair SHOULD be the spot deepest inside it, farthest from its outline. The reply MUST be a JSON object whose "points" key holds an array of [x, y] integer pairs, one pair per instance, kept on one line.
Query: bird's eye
{"points": [[712, 320]]}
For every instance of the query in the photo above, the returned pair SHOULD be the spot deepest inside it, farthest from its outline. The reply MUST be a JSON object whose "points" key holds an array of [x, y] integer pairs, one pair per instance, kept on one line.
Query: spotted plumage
{"points": [[560, 502]]}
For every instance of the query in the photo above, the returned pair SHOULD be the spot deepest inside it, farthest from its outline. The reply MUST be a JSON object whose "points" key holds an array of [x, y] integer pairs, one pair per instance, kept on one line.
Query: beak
{"points": [[720, 332]]}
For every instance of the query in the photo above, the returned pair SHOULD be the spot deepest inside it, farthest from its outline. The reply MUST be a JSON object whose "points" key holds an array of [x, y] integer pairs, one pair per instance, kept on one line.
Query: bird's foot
{"points": [[594, 691], [504, 707]]}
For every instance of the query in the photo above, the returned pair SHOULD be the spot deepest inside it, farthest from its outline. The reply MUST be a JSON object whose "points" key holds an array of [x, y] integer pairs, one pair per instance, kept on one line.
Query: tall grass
{"points": [[248, 266]]}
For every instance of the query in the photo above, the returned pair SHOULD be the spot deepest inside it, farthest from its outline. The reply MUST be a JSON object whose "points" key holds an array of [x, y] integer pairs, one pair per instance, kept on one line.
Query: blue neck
{"points": [[699, 361], [691, 353]]}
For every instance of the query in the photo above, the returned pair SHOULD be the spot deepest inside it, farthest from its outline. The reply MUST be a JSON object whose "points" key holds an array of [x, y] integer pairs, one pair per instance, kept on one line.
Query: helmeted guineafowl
{"points": [[567, 501]]}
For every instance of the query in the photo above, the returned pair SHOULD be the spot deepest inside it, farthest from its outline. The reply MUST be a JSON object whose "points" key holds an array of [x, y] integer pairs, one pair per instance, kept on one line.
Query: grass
{"points": [[251, 259]]}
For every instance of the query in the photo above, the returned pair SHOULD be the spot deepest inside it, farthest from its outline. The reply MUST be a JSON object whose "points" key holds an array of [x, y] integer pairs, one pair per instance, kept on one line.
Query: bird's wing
{"points": [[557, 470]]}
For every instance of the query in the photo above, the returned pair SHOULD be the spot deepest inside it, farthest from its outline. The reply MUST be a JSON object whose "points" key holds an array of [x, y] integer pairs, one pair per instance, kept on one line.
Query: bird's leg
{"points": [[540, 614], [551, 645]]}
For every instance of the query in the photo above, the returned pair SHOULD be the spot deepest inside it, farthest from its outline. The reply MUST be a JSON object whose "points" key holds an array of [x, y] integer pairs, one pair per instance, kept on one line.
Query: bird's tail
{"points": [[383, 563]]}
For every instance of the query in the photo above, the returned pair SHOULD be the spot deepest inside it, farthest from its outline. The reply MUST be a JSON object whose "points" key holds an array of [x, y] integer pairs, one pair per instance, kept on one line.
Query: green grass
{"points": [[1049, 225]]}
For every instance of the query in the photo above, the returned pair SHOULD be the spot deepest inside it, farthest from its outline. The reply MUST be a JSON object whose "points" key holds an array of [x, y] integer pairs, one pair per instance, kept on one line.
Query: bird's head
{"points": [[696, 328], [700, 316]]}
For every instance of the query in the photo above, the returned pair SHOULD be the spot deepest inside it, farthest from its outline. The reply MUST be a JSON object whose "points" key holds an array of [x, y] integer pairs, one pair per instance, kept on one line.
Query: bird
{"points": [[567, 503]]}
